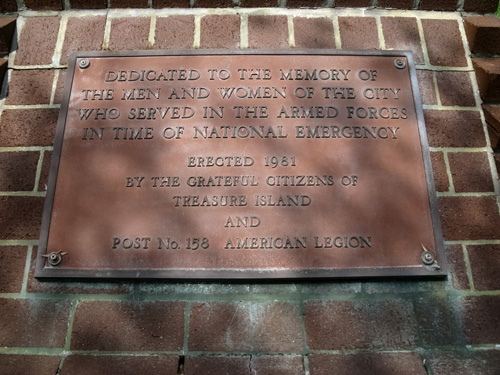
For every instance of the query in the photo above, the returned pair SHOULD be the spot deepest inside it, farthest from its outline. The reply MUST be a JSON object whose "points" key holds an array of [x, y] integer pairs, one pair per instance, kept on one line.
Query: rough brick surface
{"points": [[83, 34], [469, 218], [219, 326], [28, 127], [481, 319], [346, 325], [488, 77], [30, 87], [313, 32], [129, 33], [37, 41], [28, 364], [88, 4], [455, 88], [481, 6], [8, 6], [213, 3], [398, 4], [20, 217], [277, 365], [457, 268], [492, 115], [259, 3], [352, 3], [152, 326], [470, 172], [13, 260], [401, 33], [268, 32], [363, 363], [174, 32], [438, 5], [33, 323], [358, 33], [43, 4], [485, 263], [483, 362], [220, 31], [61, 78], [444, 43], [215, 365], [18, 170], [483, 34], [305, 3], [7, 28], [128, 3], [426, 87], [98, 365], [171, 3], [454, 128], [439, 171]]}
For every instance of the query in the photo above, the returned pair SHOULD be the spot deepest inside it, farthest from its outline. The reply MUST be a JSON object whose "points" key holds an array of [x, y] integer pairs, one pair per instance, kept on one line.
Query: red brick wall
{"points": [[439, 327]]}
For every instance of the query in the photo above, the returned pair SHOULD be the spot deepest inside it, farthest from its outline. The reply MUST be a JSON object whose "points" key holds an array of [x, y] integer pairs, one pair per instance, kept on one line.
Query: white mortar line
{"points": [[197, 31], [291, 32], [63, 25], [107, 33], [436, 89], [465, 43], [450, 107], [19, 29], [38, 171], [54, 87], [32, 106], [336, 29], [27, 266], [423, 44], [152, 32], [477, 194], [468, 268], [22, 193], [26, 148], [451, 185], [380, 31], [244, 31], [459, 149], [18, 242]]}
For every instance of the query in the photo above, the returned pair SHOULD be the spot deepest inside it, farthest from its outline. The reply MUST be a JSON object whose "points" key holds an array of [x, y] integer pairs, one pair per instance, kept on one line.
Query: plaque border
{"points": [[43, 271]]}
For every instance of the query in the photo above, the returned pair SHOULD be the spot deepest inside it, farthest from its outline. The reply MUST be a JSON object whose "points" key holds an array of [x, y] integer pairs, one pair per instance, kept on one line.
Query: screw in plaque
{"points": [[429, 259], [399, 63], [55, 257], [83, 63]]}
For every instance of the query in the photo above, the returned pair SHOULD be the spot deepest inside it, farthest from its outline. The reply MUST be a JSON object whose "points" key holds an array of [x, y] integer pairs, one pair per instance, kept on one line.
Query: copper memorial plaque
{"points": [[241, 164]]}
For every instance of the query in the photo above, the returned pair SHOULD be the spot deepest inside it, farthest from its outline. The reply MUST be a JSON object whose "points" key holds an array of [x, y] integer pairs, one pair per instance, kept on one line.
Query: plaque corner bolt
{"points": [[55, 257], [83, 63], [428, 259], [399, 63]]}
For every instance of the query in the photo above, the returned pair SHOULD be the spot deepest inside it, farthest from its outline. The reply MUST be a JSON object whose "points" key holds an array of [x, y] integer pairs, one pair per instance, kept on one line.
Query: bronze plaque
{"points": [[241, 164]]}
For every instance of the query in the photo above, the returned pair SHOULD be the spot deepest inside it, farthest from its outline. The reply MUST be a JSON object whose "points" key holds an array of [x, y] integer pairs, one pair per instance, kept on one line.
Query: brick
{"points": [[426, 87], [454, 128], [358, 33], [28, 127], [7, 28], [259, 3], [28, 364], [363, 363], [215, 365], [171, 4], [43, 4], [83, 34], [174, 32], [30, 87], [474, 362], [305, 3], [470, 172], [488, 77], [438, 5], [18, 170], [151, 326], [129, 33], [481, 319], [213, 3], [33, 323], [492, 115], [483, 34], [20, 217], [457, 272], [346, 325], [13, 260], [481, 6], [37, 41], [123, 365], [469, 218], [401, 33], [44, 173], [245, 326], [313, 32], [268, 32], [8, 6], [352, 3], [444, 42], [128, 3], [485, 263], [220, 31], [439, 171], [61, 79], [397, 4], [277, 365], [88, 4], [455, 88]]}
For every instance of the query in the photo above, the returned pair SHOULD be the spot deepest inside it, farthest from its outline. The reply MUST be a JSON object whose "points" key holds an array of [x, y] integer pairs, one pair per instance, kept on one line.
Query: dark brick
{"points": [[345, 325], [438, 5], [123, 365], [44, 173], [454, 128], [481, 319], [7, 28], [259, 3], [220, 31], [313, 32], [352, 3], [485, 263], [488, 77], [455, 88], [171, 4], [61, 79], [213, 3], [305, 3], [128, 3], [18, 170], [13, 260], [457, 269], [30, 87], [20, 217], [151, 326], [37, 41], [426, 87], [43, 4], [358, 33], [474, 362], [174, 32], [28, 364], [28, 127], [444, 42], [492, 115], [268, 32], [364, 363], [83, 34], [481, 6], [8, 6], [483, 34], [470, 171], [129, 33], [33, 323], [245, 326], [397, 4], [469, 218], [88, 4], [215, 365], [439, 171], [277, 365], [401, 33]]}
